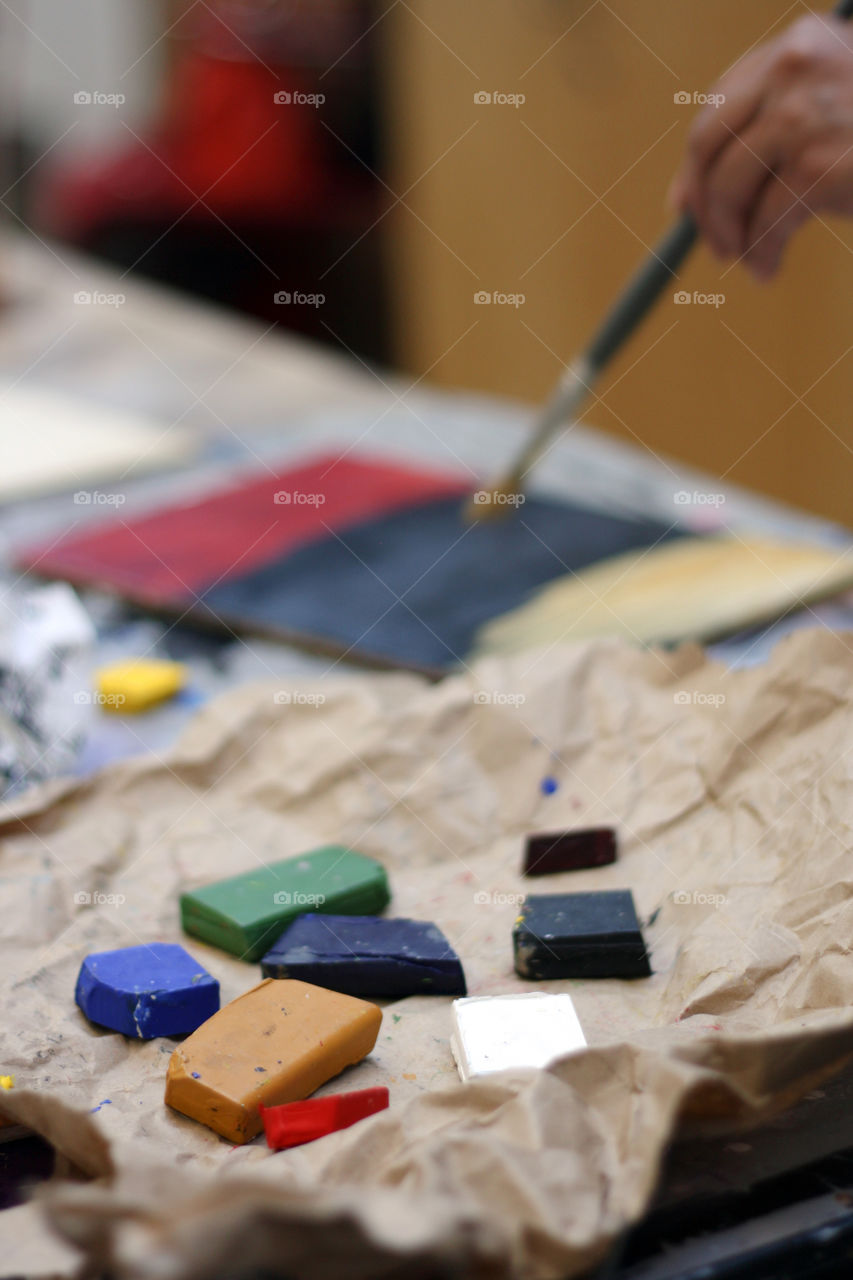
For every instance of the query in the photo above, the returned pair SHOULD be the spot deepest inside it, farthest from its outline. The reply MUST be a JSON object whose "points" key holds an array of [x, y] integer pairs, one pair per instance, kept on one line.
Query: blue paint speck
{"points": [[549, 785], [106, 1103], [196, 1075]]}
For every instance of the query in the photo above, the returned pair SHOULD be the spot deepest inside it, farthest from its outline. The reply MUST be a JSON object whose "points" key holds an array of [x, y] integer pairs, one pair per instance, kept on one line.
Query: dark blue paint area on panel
{"points": [[413, 587]]}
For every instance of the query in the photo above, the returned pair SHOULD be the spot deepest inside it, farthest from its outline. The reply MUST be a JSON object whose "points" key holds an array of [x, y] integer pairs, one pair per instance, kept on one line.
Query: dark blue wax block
{"points": [[367, 956], [153, 990], [580, 935]]}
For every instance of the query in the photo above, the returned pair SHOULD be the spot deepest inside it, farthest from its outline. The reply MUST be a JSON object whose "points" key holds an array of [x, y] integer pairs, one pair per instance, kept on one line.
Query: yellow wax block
{"points": [[129, 687], [277, 1043]]}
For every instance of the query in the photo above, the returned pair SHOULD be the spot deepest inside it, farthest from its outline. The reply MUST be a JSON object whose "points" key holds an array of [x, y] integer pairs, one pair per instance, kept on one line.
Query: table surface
{"points": [[257, 396]]}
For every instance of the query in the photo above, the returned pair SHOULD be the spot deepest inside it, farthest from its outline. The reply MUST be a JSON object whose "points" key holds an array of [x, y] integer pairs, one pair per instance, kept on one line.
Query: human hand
{"points": [[778, 150]]}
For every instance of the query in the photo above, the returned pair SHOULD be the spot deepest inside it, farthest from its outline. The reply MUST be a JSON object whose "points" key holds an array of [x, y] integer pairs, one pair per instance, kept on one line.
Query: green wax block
{"points": [[245, 914]]}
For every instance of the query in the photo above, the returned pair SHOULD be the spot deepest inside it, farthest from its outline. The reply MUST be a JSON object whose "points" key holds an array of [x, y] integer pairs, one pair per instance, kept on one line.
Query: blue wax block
{"points": [[367, 956], [153, 990]]}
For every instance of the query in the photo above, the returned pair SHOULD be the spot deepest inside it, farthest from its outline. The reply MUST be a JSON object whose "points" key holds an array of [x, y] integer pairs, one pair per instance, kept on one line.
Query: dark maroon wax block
{"points": [[569, 851]]}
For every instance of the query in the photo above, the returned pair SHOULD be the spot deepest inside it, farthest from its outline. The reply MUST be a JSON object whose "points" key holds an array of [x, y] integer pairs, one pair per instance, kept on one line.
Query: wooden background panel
{"points": [[556, 200]]}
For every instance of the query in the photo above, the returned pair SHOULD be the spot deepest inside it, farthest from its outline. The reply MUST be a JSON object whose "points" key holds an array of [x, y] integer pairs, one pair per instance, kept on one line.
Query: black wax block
{"points": [[580, 935], [367, 956], [546, 853]]}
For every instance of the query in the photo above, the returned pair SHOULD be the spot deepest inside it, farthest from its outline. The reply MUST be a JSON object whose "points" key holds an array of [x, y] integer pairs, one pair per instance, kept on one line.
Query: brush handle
{"points": [[642, 291]]}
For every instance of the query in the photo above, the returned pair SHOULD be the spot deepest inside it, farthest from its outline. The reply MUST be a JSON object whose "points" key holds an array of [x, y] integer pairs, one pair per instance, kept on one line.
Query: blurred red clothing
{"points": [[222, 144]]}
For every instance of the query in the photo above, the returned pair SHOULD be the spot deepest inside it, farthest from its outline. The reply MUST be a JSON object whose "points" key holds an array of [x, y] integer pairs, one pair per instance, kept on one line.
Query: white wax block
{"points": [[495, 1033]]}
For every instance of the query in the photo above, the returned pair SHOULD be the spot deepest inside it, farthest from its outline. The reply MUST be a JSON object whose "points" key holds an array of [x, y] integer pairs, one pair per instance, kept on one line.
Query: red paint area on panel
{"points": [[172, 555]]}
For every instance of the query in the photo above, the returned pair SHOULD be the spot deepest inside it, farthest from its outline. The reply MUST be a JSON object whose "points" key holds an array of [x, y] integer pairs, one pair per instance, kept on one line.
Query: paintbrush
{"points": [[642, 291]]}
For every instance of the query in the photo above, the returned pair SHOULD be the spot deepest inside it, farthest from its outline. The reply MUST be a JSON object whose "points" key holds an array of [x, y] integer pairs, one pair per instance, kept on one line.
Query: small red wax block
{"points": [[294, 1123]]}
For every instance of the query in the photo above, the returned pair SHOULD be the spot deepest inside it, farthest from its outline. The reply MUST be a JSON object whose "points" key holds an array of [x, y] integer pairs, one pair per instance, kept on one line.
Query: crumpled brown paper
{"points": [[733, 797]]}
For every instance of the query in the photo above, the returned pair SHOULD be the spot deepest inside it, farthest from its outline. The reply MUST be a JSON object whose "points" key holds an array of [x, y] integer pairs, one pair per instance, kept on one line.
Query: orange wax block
{"points": [[277, 1043]]}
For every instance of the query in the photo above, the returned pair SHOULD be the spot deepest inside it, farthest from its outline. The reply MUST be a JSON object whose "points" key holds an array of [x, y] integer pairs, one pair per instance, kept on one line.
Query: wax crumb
{"points": [[7, 1082], [549, 785], [409, 1075], [398, 1017]]}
